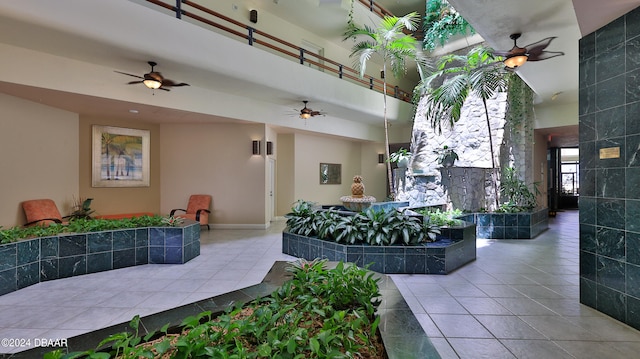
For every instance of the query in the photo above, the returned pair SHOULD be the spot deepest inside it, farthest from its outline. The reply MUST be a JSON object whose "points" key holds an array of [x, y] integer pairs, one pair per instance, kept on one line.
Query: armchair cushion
{"points": [[197, 209]]}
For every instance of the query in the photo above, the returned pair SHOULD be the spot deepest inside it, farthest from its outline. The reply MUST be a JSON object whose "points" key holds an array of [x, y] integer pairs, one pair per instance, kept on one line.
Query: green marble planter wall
{"points": [[31, 261], [609, 109], [454, 248], [524, 225]]}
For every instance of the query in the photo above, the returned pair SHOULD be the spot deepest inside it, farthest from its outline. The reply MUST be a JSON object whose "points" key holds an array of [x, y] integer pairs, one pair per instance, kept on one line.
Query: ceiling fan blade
{"points": [[315, 113], [163, 89], [545, 55], [134, 82], [124, 73], [171, 83], [538, 47], [501, 53]]}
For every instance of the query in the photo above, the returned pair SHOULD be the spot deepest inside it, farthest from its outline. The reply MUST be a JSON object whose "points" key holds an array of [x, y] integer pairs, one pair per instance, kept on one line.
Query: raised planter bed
{"points": [[402, 334], [31, 261], [525, 225], [454, 248]]}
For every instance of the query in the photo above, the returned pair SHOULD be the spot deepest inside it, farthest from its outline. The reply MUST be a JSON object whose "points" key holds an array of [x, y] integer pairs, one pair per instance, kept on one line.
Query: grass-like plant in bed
{"points": [[84, 225], [319, 313]]}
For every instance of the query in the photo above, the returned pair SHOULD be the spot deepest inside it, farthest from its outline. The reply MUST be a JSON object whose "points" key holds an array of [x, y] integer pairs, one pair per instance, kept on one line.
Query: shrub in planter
{"points": [[442, 218], [84, 225], [374, 226], [319, 313]]}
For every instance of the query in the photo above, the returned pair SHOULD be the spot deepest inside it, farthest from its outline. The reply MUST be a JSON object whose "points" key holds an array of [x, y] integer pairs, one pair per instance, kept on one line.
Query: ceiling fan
{"points": [[306, 112], [154, 80], [517, 56]]}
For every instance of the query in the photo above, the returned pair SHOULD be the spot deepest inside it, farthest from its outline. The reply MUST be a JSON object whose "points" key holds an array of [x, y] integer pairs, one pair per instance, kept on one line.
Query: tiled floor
{"points": [[519, 299]]}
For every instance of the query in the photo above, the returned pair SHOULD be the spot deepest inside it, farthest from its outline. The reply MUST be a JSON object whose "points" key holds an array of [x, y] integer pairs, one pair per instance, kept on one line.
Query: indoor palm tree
{"points": [[456, 77], [394, 48]]}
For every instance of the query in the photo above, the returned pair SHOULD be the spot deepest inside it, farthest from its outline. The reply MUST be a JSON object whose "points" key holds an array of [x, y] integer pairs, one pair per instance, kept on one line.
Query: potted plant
{"points": [[401, 157], [446, 156], [81, 208]]}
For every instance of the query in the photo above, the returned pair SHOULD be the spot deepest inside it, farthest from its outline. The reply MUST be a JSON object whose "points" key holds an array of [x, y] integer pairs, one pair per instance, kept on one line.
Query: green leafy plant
{"points": [[457, 77], [394, 48], [318, 313], [81, 208], [349, 229], [374, 226], [302, 219], [442, 22], [400, 155], [518, 196], [81, 225], [440, 218], [446, 156]]}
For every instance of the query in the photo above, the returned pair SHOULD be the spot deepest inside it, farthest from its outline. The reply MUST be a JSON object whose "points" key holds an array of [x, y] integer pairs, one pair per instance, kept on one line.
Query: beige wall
{"points": [[310, 151], [299, 157], [374, 174], [215, 159], [285, 187], [40, 157], [113, 200]]}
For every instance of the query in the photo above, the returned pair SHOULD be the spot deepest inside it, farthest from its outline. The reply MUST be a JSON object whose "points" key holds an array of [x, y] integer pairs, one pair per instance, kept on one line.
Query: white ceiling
{"points": [[494, 20]]}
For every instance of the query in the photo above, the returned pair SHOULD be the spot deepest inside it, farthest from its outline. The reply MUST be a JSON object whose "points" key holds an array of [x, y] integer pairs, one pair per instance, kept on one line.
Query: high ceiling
{"points": [[494, 20]]}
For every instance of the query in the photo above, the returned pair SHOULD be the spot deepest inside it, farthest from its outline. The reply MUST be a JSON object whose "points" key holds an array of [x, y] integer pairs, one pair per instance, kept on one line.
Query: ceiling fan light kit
{"points": [[518, 56], [152, 83], [154, 79], [515, 61], [306, 112]]}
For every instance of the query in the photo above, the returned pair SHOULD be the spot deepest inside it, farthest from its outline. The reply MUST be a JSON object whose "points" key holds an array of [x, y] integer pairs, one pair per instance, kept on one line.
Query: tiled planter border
{"points": [[455, 247], [525, 225], [31, 261], [402, 334]]}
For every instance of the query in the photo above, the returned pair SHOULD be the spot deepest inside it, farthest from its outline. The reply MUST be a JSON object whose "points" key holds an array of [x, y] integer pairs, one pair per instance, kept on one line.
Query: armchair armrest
{"points": [[174, 211], [56, 220], [198, 213]]}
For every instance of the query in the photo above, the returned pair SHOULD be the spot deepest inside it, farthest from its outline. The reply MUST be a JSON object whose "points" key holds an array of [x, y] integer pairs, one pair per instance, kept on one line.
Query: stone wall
{"points": [[463, 189]]}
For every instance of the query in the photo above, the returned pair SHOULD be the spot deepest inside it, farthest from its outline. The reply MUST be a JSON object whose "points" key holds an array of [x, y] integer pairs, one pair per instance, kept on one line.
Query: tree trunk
{"points": [[392, 189], [494, 180]]}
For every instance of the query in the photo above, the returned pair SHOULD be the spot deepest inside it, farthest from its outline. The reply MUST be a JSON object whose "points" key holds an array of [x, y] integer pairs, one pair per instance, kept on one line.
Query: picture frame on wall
{"points": [[330, 173], [120, 157]]}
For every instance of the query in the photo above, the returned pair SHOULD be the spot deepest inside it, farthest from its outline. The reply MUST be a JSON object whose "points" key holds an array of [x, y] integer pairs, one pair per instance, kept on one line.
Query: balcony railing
{"points": [[253, 37]]}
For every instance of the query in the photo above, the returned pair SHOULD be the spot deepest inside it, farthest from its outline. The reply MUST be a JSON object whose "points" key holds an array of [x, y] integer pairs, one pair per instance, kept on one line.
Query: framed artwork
{"points": [[330, 173], [120, 157]]}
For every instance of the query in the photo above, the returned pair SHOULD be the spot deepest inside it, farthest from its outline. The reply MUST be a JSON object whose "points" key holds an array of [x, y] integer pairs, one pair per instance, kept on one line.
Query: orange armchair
{"points": [[197, 209], [41, 211]]}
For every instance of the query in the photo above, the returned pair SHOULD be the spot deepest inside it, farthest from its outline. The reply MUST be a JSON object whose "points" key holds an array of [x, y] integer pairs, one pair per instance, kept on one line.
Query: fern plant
{"points": [[442, 22]]}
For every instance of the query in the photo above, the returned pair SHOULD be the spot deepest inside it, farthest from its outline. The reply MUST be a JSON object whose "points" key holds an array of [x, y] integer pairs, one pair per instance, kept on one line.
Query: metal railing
{"points": [[253, 37]]}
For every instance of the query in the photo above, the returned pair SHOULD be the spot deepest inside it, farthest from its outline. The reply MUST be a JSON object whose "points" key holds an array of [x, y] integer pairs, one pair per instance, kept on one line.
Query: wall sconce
{"points": [[253, 16], [255, 147], [380, 157], [269, 148]]}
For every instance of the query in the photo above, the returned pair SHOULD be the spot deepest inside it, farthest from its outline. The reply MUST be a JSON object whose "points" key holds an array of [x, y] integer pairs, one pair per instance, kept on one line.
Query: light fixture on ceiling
{"points": [[517, 56], [152, 83], [515, 61], [305, 115]]}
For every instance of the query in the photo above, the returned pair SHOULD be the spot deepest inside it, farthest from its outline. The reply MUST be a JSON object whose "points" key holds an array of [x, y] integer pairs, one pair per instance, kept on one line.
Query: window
{"points": [[569, 172]]}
